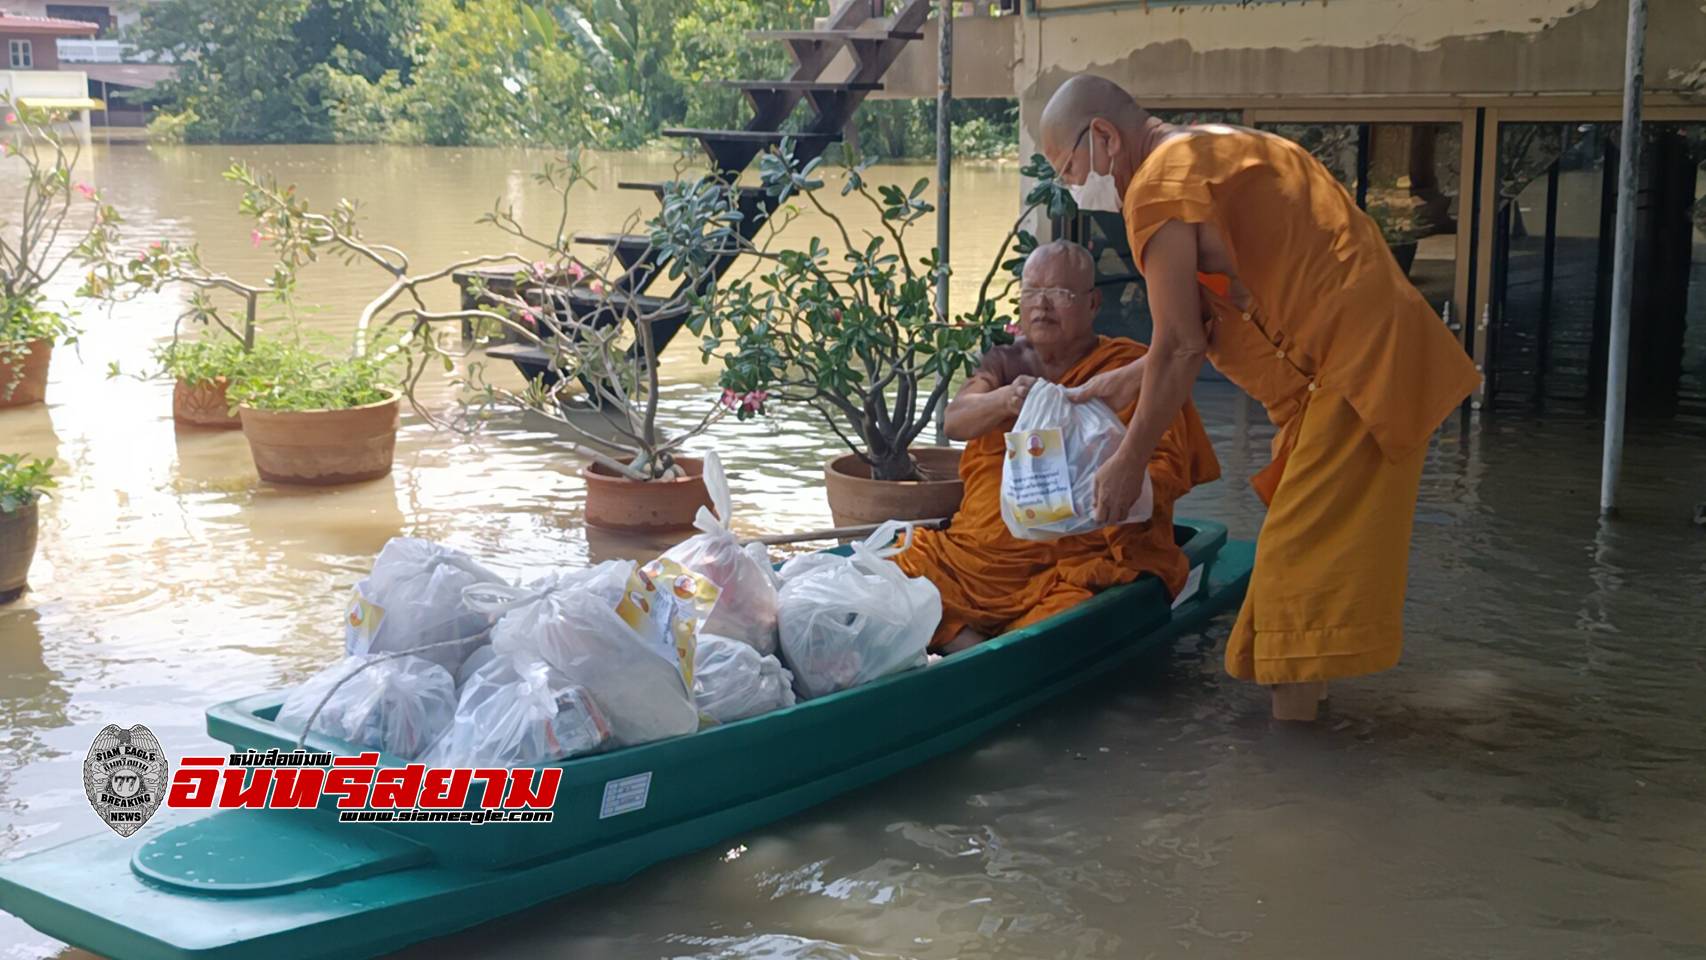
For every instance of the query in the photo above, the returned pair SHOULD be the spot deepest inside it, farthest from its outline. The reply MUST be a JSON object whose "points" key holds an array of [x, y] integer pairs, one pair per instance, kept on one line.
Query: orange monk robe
{"points": [[1353, 366], [993, 581]]}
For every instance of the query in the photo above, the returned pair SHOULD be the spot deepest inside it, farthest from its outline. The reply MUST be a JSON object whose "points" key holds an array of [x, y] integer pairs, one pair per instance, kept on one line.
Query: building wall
{"points": [[1197, 51], [43, 50], [123, 12]]}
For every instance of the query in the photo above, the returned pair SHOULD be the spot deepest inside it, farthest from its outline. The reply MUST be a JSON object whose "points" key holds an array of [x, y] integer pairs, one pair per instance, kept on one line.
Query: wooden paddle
{"points": [[842, 533]]}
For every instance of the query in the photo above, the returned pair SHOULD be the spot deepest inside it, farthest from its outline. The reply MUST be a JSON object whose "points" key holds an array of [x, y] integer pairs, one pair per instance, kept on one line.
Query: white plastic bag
{"points": [[413, 597], [849, 620], [732, 681], [1048, 481], [399, 705], [570, 621], [510, 717], [482, 655], [746, 602]]}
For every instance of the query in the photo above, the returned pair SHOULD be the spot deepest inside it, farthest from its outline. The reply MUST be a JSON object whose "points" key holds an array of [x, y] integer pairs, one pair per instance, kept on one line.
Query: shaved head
{"points": [[1094, 115], [1076, 271], [1084, 98]]}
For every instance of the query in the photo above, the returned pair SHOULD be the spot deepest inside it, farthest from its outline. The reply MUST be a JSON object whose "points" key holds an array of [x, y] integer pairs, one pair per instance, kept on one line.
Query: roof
{"points": [[46, 26], [139, 75]]}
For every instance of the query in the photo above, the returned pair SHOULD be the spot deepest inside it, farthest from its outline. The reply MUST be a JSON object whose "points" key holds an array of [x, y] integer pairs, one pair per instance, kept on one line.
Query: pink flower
{"points": [[576, 270], [1013, 329], [86, 190], [156, 246], [11, 118], [598, 287], [539, 268], [255, 238], [529, 316], [754, 400], [730, 399]]}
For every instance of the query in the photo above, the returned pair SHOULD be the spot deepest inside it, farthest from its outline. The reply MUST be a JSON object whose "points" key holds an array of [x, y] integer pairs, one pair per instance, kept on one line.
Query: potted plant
{"points": [[203, 368], [860, 339], [315, 418], [601, 386], [22, 483], [31, 248]]}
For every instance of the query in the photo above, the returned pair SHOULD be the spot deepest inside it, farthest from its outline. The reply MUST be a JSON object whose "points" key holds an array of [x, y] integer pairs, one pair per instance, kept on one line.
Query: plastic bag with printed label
{"points": [[849, 620], [732, 681], [746, 602], [610, 631], [512, 715], [1048, 479], [412, 598], [399, 705]]}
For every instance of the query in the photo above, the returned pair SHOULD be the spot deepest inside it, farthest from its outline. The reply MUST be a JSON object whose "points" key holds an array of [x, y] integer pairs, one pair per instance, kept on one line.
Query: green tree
{"points": [[494, 73], [711, 45], [239, 78]]}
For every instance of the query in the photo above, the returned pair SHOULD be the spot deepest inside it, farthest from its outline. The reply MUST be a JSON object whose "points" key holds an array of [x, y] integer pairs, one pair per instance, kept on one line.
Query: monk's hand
{"points": [[1118, 484], [1017, 391], [1118, 388]]}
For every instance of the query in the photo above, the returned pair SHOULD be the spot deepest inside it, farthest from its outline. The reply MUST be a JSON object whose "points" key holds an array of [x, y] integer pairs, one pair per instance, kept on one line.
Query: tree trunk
{"points": [[893, 466]]}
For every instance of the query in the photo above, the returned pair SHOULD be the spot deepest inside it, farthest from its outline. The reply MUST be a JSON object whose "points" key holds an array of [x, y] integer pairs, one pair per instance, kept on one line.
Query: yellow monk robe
{"points": [[993, 582], [1353, 366]]}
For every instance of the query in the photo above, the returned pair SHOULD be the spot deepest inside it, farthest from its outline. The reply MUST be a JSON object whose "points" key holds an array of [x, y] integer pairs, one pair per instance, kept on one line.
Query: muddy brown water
{"points": [[1531, 782]]}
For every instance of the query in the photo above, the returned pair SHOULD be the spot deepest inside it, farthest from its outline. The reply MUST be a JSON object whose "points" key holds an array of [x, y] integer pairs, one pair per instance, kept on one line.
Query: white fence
{"points": [[95, 51]]}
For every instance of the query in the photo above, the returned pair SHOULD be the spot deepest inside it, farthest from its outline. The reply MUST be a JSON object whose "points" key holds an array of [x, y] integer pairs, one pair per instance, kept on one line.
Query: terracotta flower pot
{"points": [[23, 375], [17, 549], [204, 405], [855, 499], [322, 447], [615, 502]]}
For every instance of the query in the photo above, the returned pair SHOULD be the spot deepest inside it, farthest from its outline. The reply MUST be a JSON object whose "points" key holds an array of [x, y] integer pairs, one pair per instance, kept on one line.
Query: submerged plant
{"points": [[32, 251], [23, 482], [856, 333], [595, 338]]}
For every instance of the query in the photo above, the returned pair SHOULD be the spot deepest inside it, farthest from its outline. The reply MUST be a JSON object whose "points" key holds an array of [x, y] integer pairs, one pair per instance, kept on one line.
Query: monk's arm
{"points": [[1176, 354], [982, 406], [1170, 464]]}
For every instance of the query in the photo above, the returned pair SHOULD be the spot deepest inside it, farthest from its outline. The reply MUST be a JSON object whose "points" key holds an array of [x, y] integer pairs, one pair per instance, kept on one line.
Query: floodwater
{"points": [[1531, 782]]}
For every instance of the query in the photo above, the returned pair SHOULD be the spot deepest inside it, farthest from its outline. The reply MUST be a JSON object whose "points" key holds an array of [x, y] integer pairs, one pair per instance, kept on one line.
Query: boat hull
{"points": [[359, 890]]}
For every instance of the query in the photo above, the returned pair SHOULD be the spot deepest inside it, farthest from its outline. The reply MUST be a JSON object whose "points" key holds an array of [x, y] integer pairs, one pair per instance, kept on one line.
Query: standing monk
{"points": [[1256, 258]]}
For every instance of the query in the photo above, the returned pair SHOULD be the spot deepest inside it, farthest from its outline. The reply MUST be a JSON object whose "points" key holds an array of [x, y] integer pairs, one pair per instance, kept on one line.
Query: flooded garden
{"points": [[1529, 782]]}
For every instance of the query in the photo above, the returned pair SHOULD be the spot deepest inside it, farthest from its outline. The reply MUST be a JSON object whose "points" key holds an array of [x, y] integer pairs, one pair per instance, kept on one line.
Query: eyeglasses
{"points": [[1057, 297], [1070, 154]]}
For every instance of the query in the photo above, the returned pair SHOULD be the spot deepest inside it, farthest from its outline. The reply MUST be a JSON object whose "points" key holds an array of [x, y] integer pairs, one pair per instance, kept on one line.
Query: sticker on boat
{"points": [[625, 795], [1193, 583]]}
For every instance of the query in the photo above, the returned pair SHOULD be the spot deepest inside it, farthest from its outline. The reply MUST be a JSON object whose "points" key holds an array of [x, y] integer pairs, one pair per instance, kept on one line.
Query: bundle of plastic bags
{"points": [[411, 602], [512, 715], [398, 705], [746, 603], [610, 630], [849, 620], [1048, 481], [732, 681]]}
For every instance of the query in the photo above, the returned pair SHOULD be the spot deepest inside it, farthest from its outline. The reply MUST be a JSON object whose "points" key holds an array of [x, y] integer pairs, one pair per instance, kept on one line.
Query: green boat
{"points": [[292, 885]]}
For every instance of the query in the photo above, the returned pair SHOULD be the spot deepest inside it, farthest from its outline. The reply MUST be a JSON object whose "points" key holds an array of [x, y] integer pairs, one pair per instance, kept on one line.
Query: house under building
{"points": [[1482, 134]]}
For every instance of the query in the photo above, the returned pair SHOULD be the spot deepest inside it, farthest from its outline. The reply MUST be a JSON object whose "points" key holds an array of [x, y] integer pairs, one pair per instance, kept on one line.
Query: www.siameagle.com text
{"points": [[444, 816]]}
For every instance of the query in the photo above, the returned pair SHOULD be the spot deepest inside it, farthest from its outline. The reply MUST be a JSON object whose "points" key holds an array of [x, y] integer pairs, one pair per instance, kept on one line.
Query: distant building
{"points": [[1482, 133], [113, 68], [34, 77]]}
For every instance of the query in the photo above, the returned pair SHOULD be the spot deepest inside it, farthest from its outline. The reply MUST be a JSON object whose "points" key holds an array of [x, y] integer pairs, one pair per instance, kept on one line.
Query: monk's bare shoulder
{"points": [[1008, 362]]}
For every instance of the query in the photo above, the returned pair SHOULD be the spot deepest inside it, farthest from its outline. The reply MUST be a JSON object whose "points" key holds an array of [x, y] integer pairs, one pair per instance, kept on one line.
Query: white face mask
{"points": [[1098, 193]]}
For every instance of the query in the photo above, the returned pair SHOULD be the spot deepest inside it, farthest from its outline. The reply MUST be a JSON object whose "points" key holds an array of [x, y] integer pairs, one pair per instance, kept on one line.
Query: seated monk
{"points": [[991, 581]]}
